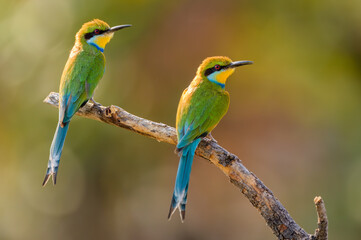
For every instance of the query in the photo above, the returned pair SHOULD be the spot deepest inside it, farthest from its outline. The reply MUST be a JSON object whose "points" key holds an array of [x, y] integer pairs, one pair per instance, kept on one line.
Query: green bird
{"points": [[201, 107], [82, 72]]}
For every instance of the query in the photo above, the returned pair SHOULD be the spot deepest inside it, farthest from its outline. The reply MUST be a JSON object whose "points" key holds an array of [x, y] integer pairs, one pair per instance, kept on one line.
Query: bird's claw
{"points": [[97, 106], [211, 138]]}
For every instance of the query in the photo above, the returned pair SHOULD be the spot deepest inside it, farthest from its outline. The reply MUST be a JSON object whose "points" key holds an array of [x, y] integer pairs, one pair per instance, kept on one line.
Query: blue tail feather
{"points": [[55, 152], [179, 199]]}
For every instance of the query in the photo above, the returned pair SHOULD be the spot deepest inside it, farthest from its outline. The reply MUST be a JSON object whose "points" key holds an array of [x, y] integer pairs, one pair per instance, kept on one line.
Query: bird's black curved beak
{"points": [[240, 63], [116, 28]]}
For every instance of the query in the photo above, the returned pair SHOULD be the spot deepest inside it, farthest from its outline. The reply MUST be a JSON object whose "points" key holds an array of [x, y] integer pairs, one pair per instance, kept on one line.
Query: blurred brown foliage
{"points": [[294, 117]]}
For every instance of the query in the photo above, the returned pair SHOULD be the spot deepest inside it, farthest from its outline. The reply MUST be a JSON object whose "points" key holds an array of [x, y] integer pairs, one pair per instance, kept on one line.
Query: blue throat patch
{"points": [[218, 83], [99, 48]]}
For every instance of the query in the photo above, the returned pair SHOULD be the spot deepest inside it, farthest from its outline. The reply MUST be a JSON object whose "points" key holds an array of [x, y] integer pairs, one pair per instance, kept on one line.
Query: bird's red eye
{"points": [[217, 67], [96, 31]]}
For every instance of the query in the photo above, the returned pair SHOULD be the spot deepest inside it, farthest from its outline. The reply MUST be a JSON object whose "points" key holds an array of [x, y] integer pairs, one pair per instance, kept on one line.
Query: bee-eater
{"points": [[201, 107], [81, 74]]}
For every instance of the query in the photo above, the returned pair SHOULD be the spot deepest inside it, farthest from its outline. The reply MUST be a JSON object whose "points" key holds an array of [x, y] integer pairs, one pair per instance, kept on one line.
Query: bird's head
{"points": [[218, 69], [97, 33]]}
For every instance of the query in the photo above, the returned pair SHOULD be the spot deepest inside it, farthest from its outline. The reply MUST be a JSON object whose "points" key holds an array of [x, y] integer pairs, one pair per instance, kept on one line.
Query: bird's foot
{"points": [[210, 137], [96, 105]]}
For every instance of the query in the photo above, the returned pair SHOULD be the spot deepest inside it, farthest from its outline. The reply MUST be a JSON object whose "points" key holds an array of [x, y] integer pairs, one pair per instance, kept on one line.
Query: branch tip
{"points": [[322, 221]]}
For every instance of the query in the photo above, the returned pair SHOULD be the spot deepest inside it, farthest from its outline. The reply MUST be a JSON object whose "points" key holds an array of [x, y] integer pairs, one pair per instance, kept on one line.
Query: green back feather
{"points": [[202, 106], [82, 72]]}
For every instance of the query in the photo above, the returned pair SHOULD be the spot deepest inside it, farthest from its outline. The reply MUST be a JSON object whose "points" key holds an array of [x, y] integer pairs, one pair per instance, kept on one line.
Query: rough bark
{"points": [[262, 198]]}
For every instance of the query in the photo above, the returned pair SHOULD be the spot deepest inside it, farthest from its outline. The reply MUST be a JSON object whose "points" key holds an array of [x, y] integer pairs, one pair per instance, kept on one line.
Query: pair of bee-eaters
{"points": [[200, 108]]}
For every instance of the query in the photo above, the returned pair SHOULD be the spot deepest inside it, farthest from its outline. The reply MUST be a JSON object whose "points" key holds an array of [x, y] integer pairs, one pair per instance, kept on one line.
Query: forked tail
{"points": [[55, 152], [179, 199]]}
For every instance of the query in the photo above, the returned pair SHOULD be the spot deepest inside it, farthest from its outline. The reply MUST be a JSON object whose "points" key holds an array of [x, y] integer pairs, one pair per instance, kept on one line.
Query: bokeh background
{"points": [[294, 117]]}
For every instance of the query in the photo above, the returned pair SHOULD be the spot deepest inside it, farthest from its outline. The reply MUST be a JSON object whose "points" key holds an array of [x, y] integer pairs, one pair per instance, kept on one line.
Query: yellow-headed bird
{"points": [[201, 107], [82, 72]]}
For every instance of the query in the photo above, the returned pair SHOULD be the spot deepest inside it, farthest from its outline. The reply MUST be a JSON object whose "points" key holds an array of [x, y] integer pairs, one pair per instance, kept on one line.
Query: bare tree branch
{"points": [[321, 231], [262, 198]]}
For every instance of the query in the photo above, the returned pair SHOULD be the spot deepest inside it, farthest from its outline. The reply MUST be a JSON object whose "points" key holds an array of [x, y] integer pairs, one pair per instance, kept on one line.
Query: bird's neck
{"points": [[91, 49], [97, 46], [212, 83], [222, 85], [205, 82]]}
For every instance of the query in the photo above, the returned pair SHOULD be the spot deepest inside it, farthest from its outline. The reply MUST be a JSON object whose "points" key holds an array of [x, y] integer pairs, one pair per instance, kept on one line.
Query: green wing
{"points": [[199, 113], [80, 77]]}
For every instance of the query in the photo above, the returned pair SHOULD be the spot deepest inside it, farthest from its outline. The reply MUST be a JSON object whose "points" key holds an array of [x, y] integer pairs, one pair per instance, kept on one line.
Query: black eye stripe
{"points": [[89, 35], [212, 70], [209, 71]]}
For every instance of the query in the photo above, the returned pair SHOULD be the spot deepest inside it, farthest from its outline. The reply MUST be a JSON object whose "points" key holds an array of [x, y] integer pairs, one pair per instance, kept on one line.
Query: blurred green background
{"points": [[294, 117]]}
